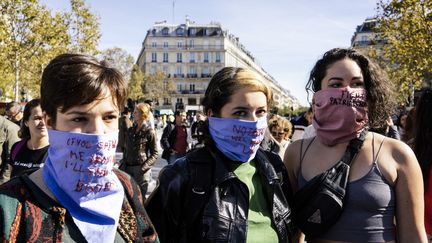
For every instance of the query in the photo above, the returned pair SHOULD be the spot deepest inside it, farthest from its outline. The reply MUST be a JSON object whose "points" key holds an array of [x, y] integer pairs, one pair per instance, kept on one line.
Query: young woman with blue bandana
{"points": [[77, 196], [230, 190]]}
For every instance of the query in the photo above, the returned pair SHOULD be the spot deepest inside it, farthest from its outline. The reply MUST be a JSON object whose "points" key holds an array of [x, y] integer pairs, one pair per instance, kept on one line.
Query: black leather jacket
{"points": [[222, 215]]}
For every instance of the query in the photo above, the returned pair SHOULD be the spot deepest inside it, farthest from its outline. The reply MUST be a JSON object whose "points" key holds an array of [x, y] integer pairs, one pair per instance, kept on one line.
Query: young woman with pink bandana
{"points": [[384, 201]]}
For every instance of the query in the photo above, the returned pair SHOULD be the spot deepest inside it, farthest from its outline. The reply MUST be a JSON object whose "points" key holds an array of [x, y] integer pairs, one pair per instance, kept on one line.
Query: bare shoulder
{"points": [[292, 160], [401, 154]]}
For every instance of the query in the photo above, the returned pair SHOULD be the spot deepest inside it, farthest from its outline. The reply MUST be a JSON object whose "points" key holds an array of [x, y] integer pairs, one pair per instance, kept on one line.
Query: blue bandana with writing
{"points": [[79, 172], [239, 140]]}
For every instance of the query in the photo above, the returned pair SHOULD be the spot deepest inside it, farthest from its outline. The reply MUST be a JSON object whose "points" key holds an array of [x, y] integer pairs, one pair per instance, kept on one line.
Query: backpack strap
{"points": [[17, 148]]}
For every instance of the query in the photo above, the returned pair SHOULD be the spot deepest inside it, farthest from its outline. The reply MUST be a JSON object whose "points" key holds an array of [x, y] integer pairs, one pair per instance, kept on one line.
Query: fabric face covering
{"points": [[239, 140], [340, 114], [79, 172]]}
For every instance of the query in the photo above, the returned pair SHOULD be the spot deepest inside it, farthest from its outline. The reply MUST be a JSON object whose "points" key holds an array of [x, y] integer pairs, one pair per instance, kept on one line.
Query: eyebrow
{"points": [[341, 79], [247, 108], [82, 113]]}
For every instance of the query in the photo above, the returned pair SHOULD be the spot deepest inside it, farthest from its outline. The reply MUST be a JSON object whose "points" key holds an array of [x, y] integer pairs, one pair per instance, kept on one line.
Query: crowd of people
{"points": [[233, 169]]}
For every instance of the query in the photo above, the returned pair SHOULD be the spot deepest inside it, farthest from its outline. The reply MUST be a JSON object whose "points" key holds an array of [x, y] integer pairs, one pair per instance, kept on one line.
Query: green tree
{"points": [[157, 86], [29, 37], [120, 59], [406, 25], [135, 82], [83, 28]]}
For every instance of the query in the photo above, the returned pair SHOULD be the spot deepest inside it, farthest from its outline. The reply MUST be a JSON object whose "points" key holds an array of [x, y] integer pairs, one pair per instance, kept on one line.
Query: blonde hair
{"points": [[280, 122], [144, 109], [228, 81]]}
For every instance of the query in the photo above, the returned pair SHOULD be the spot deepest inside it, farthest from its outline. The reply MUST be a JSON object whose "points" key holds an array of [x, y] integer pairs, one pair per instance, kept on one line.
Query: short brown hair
{"points": [[75, 79]]}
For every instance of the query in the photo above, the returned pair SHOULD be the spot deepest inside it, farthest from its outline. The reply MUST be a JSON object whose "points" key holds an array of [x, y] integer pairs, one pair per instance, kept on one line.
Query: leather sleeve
{"points": [[165, 204], [152, 150]]}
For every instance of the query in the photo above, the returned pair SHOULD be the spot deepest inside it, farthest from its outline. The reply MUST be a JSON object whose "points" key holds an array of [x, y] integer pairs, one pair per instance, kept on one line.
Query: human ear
{"points": [[49, 123], [209, 113]]}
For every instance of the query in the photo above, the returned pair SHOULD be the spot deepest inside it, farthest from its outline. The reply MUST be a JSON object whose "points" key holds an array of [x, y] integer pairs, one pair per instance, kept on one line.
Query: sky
{"points": [[287, 37]]}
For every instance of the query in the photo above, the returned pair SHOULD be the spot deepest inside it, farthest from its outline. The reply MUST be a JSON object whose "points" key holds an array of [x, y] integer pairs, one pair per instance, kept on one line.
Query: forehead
{"points": [[247, 97], [344, 67]]}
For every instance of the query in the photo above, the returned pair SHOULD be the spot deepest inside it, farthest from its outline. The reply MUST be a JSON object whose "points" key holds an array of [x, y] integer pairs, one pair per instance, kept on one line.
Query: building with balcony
{"points": [[190, 54]]}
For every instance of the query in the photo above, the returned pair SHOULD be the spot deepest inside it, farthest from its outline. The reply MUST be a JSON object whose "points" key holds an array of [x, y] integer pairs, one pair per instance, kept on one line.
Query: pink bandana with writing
{"points": [[78, 171], [340, 114]]}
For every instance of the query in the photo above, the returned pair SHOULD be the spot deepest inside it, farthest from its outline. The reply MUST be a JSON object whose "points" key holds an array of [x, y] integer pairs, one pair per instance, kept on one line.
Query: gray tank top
{"points": [[369, 210]]}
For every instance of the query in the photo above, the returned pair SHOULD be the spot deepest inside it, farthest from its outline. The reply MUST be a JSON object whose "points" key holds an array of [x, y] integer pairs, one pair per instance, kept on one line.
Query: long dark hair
{"points": [[423, 133], [378, 88], [24, 131]]}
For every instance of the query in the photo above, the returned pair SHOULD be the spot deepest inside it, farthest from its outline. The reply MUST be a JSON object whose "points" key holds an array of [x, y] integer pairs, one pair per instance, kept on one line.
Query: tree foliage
{"points": [[120, 59], [30, 36], [406, 25], [135, 81], [83, 28], [157, 86]]}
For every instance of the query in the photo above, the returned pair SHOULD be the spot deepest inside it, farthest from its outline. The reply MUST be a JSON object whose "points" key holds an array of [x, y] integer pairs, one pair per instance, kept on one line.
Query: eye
{"points": [[334, 85], [261, 112], [79, 119], [358, 84], [240, 113], [110, 117]]}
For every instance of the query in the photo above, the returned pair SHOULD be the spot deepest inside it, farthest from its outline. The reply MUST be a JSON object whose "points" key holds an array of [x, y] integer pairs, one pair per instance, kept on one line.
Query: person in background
{"points": [[8, 137], [30, 153], [77, 196], [300, 123], [141, 148], [175, 137], [229, 190], [423, 151], [196, 129], [409, 129], [151, 118], [124, 124], [281, 129], [401, 123], [384, 201], [14, 112]]}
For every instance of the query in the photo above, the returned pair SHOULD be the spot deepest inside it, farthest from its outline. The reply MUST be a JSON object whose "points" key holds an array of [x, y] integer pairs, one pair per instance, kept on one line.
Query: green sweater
{"points": [[27, 214]]}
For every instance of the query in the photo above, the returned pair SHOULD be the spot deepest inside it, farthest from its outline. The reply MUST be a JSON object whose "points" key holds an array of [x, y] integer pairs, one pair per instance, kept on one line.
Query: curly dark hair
{"points": [[380, 101], [423, 133]]}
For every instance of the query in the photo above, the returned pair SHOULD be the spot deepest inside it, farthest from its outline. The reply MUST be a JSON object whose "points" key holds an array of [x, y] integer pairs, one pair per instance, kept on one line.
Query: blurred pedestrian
{"points": [[77, 196], [409, 129], [30, 153], [197, 127], [175, 138], [423, 151], [8, 137], [384, 201], [124, 124], [300, 123], [281, 129], [14, 112], [230, 190], [141, 148]]}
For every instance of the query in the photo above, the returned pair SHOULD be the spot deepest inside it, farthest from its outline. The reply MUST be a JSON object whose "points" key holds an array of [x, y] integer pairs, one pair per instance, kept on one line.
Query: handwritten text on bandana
{"points": [[79, 172]]}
